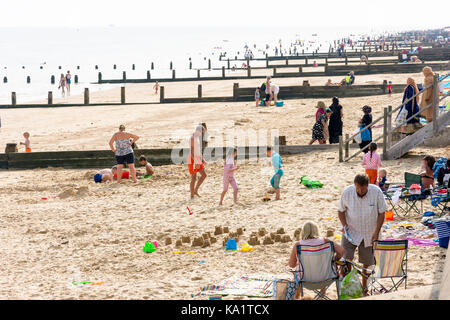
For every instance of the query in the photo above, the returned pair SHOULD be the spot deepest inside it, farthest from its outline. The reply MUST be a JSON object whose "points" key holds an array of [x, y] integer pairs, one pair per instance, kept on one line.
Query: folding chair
{"points": [[410, 201], [441, 202], [317, 269], [391, 261]]}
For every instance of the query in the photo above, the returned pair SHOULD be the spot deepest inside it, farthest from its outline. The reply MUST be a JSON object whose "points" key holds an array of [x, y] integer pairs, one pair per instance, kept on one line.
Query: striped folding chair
{"points": [[391, 262], [317, 269]]}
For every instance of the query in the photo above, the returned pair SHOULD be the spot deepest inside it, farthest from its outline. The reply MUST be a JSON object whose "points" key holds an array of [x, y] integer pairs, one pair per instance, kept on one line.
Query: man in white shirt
{"points": [[361, 211]]}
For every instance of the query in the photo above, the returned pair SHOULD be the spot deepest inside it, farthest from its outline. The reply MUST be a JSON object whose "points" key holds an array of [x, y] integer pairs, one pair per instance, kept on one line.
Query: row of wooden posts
{"points": [[52, 79]]}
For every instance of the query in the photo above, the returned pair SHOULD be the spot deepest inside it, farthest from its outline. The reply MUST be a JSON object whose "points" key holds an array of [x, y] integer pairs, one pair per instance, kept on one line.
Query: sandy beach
{"points": [[84, 231]]}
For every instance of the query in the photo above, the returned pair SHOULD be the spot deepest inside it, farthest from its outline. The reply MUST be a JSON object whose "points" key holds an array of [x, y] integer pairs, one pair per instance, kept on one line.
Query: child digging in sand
{"points": [[228, 175], [105, 175], [148, 167], [26, 135], [277, 165]]}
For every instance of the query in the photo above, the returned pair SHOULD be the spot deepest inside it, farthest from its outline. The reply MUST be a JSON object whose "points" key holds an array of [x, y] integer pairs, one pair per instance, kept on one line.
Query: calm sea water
{"points": [[50, 48]]}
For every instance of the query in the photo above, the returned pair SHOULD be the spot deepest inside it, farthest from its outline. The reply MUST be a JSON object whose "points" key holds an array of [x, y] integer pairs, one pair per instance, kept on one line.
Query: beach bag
{"points": [[365, 135], [443, 231], [284, 289], [351, 287], [357, 138], [401, 117]]}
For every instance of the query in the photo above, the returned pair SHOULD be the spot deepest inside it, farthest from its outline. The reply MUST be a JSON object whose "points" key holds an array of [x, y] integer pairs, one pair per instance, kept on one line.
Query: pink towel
{"points": [[417, 242]]}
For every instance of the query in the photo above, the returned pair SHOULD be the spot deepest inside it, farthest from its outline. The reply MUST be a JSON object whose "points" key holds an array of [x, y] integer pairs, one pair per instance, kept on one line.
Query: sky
{"points": [[337, 13]]}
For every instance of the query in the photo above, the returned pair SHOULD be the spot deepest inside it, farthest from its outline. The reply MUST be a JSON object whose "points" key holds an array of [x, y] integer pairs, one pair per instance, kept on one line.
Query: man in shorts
{"points": [[196, 163], [361, 211]]}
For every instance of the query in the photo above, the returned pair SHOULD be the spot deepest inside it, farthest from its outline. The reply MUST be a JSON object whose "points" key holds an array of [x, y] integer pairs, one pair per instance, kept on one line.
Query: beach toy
{"points": [[215, 298], [428, 214], [149, 247], [338, 237], [146, 177], [97, 283], [246, 248], [231, 245], [125, 175], [82, 282], [44, 198], [279, 103], [189, 211], [155, 244], [310, 183], [266, 198], [203, 261], [190, 251], [389, 215], [262, 104], [272, 103]]}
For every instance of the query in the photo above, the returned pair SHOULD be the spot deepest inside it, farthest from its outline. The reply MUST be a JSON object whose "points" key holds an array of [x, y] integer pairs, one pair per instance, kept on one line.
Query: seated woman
{"points": [[444, 175], [427, 172], [310, 237]]}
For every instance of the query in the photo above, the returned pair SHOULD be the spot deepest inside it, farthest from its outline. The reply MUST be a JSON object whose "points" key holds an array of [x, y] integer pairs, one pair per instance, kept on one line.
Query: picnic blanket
{"points": [[250, 285], [418, 242]]}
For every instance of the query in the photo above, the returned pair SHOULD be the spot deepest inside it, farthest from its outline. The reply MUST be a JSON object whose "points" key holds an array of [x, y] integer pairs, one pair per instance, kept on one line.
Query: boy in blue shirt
{"points": [[277, 165]]}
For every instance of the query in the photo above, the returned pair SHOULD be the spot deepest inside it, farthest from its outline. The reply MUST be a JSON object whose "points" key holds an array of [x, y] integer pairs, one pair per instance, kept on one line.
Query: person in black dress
{"points": [[335, 123]]}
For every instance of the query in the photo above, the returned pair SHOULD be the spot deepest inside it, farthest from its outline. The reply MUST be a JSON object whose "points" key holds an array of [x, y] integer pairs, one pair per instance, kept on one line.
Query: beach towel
{"points": [[417, 242], [250, 285]]}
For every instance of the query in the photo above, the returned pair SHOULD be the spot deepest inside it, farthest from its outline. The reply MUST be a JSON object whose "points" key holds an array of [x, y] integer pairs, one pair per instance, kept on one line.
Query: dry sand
{"points": [[89, 232]]}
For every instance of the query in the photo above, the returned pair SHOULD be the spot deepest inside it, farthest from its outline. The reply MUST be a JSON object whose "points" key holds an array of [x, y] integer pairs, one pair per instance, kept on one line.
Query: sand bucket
{"points": [[11, 147], [389, 215]]}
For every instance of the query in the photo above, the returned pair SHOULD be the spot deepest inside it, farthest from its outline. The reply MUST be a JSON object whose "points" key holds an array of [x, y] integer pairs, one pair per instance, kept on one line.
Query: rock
{"points": [[278, 238], [280, 231], [198, 242], [186, 239], [286, 238], [226, 230], [268, 240], [239, 231], [218, 230], [262, 232], [168, 241], [178, 243]]}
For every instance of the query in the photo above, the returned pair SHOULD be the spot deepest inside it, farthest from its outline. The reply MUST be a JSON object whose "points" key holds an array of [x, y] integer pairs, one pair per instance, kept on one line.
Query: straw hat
{"points": [[321, 105]]}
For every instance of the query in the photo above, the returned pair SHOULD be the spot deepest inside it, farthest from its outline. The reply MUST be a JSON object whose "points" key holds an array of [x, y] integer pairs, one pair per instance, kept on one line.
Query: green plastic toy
{"points": [[146, 177], [312, 184], [149, 247]]}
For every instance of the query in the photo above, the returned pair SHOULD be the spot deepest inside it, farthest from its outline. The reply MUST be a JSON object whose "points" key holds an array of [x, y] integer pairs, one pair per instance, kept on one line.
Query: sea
{"points": [[44, 52]]}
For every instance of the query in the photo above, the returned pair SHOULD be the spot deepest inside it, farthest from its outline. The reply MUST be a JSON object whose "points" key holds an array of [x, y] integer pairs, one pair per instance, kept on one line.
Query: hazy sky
{"points": [[81, 13]]}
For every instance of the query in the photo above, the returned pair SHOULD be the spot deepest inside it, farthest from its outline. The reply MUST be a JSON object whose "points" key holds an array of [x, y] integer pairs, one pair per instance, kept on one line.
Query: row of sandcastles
{"points": [[256, 238]]}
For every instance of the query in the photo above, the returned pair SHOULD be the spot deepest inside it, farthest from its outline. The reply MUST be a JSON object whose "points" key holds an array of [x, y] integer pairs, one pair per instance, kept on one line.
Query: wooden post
{"points": [[385, 133], [99, 77], [122, 95], [326, 61], [132, 67], [124, 76], [346, 60], [228, 64], [13, 98], [299, 69], [287, 61], [306, 61], [148, 75], [389, 127], [114, 67], [161, 94], [171, 65], [282, 140], [341, 151], [50, 97], [235, 91], [347, 144], [435, 102], [249, 71], [267, 63], [5, 80], [274, 71], [223, 72], [96, 67], [198, 73], [52, 79], [28, 79], [190, 65], [76, 78], [199, 91], [173, 74], [152, 66], [209, 64], [86, 96]]}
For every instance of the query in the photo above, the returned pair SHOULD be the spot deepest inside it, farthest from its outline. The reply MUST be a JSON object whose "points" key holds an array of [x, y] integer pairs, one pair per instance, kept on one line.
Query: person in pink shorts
{"points": [[228, 175]]}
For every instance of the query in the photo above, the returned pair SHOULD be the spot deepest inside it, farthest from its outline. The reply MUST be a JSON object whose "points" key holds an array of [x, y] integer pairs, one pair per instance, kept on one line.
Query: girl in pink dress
{"points": [[228, 175]]}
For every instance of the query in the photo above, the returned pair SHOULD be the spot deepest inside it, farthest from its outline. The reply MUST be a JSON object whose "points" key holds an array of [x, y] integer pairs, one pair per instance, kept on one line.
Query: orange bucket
{"points": [[389, 215]]}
